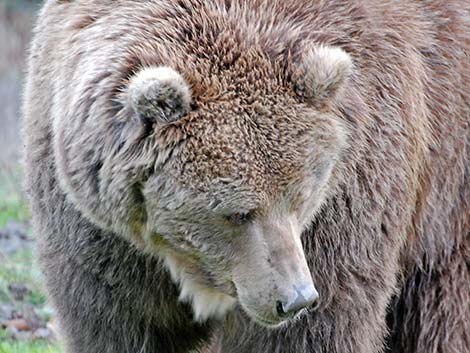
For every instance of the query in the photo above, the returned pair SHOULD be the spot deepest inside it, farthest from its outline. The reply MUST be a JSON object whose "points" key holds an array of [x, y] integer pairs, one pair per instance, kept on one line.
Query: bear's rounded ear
{"points": [[321, 74], [159, 94]]}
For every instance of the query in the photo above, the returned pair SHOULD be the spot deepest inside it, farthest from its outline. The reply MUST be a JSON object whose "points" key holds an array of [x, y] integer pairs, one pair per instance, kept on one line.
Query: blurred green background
{"points": [[26, 320]]}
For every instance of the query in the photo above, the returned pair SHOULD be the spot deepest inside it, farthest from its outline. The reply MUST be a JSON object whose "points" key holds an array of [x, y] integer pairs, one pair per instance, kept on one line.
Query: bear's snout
{"points": [[281, 285]]}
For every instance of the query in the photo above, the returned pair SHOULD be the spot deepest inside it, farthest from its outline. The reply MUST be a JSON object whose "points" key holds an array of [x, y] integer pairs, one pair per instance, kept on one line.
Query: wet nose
{"points": [[302, 297]]}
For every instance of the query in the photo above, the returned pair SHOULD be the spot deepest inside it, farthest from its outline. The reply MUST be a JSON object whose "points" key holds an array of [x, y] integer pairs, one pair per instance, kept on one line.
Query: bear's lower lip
{"points": [[266, 322]]}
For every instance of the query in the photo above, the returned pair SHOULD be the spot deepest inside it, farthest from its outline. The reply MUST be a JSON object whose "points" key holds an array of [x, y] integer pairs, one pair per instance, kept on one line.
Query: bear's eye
{"points": [[239, 218]]}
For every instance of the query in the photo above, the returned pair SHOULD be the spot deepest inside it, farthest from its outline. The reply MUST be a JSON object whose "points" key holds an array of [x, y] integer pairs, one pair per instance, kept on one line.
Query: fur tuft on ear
{"points": [[159, 94], [322, 74]]}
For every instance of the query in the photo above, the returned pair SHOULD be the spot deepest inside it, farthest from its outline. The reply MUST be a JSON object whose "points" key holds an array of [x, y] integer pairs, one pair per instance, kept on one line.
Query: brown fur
{"points": [[384, 160]]}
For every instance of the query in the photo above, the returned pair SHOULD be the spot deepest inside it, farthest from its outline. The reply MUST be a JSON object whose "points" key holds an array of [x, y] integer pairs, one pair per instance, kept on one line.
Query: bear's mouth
{"points": [[272, 323], [268, 323], [264, 320]]}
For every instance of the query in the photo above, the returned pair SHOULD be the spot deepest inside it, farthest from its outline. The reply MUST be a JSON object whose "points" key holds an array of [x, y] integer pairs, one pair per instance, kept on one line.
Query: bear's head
{"points": [[244, 163], [218, 169]]}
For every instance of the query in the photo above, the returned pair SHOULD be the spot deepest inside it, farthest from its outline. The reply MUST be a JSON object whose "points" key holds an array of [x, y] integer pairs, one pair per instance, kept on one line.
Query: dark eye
{"points": [[239, 218]]}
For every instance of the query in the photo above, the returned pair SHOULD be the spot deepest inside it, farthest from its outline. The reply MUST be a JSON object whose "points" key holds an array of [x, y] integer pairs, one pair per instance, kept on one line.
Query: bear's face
{"points": [[238, 178]]}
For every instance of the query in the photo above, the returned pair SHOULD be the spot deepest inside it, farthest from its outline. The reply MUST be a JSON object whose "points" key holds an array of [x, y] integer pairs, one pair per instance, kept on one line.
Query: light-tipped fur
{"points": [[159, 94], [207, 303], [323, 72], [370, 162]]}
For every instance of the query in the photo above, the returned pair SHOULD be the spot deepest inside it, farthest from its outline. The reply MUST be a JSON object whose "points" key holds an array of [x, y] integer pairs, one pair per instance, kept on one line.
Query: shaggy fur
{"points": [[351, 117]]}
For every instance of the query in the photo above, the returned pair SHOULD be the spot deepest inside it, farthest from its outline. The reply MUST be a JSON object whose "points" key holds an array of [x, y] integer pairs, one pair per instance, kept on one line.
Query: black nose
{"points": [[302, 298]]}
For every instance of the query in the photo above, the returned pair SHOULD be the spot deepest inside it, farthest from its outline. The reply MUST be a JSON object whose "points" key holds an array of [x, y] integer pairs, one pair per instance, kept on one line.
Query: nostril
{"points": [[280, 309], [315, 305], [304, 297]]}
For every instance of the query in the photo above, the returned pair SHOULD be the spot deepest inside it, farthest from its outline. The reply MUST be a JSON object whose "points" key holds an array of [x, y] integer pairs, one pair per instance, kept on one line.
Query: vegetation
{"points": [[26, 347], [12, 202], [20, 287]]}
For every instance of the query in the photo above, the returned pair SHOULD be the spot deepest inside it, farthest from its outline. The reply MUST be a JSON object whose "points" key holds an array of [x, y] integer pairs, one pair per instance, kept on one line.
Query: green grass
{"points": [[27, 347], [12, 208], [20, 268], [12, 203]]}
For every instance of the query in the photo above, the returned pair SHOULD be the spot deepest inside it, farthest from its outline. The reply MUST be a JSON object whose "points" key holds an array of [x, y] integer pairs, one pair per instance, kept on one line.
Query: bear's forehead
{"points": [[247, 127], [222, 62], [247, 78], [260, 146]]}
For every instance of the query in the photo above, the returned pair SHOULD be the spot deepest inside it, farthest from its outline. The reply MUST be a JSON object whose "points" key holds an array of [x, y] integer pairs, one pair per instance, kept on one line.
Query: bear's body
{"points": [[389, 244]]}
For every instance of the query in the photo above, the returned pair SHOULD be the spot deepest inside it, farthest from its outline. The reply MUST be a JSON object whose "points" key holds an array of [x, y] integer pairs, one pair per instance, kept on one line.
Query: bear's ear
{"points": [[321, 74], [159, 94]]}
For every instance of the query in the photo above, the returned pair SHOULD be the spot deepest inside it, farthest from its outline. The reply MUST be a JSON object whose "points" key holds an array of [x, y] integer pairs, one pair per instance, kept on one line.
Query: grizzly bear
{"points": [[253, 176]]}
